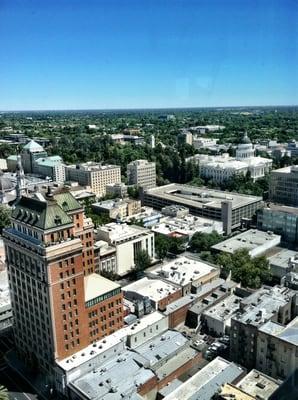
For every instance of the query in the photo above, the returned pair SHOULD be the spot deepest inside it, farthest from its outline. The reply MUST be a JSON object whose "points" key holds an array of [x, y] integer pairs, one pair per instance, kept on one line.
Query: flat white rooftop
{"points": [[155, 289], [122, 232], [255, 241], [287, 333], [187, 225], [96, 285], [183, 270], [93, 350], [258, 384], [224, 309]]}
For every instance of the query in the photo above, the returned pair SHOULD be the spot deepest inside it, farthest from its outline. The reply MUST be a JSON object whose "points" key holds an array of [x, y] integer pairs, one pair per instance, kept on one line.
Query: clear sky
{"points": [[81, 54]]}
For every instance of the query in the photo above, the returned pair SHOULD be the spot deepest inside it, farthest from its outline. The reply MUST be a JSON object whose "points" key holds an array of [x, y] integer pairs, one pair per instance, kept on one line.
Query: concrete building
{"points": [[227, 207], [105, 260], [204, 384], [217, 319], [281, 220], [187, 226], [95, 175], [128, 240], [52, 167], [185, 272], [118, 209], [116, 190], [59, 304], [258, 385], [175, 211], [283, 187], [274, 304], [203, 143], [185, 137], [283, 263], [6, 317], [277, 349], [159, 292], [255, 241], [142, 173]]}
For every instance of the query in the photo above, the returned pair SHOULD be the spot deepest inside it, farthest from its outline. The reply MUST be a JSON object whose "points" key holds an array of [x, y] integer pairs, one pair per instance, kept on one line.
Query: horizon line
{"points": [[148, 108]]}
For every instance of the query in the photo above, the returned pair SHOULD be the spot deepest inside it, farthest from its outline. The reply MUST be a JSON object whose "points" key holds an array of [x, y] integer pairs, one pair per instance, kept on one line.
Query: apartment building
{"points": [[142, 173], [56, 300], [95, 175], [128, 241], [275, 304], [283, 186]]}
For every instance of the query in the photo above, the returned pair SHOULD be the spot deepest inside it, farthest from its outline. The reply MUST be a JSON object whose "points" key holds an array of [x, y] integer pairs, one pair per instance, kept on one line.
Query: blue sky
{"points": [[71, 54]]}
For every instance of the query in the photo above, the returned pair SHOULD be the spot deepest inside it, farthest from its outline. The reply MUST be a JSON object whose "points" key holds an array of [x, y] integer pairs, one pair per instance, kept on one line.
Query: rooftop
{"points": [[192, 196], [183, 270], [225, 309], [155, 289], [258, 384], [251, 240], [228, 391], [281, 259], [122, 232], [287, 333], [93, 350], [96, 285], [281, 208], [92, 166], [33, 147], [49, 161], [205, 383], [263, 304], [187, 225]]}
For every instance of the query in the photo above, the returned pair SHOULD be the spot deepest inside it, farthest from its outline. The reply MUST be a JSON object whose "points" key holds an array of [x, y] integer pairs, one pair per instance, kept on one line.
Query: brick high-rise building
{"points": [[59, 305]]}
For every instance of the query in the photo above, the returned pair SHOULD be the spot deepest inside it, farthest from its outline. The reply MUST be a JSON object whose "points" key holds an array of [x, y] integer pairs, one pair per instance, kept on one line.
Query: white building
{"points": [[223, 167], [50, 167], [128, 241], [203, 143], [142, 173], [255, 241]]}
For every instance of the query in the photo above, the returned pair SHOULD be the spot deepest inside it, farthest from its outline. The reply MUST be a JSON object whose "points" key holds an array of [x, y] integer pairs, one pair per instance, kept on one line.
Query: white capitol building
{"points": [[223, 167]]}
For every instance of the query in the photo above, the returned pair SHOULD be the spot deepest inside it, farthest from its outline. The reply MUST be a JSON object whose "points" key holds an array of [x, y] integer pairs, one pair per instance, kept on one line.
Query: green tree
{"points": [[204, 241], [251, 272], [162, 246], [5, 214], [142, 260]]}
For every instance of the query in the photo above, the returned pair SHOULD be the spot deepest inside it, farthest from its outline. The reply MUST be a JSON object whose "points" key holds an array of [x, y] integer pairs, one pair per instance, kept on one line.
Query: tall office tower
{"points": [[142, 173], [54, 304], [283, 186]]}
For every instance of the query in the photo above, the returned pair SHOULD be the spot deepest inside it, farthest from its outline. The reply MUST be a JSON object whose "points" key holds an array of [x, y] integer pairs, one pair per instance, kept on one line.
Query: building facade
{"points": [[283, 188], [52, 291], [142, 173], [94, 175]]}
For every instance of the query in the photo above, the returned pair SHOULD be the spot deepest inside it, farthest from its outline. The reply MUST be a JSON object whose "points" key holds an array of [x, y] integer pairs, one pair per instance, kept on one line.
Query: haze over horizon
{"points": [[107, 55]]}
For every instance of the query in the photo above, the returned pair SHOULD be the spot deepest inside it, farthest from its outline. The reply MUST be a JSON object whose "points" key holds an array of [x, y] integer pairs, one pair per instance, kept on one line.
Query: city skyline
{"points": [[110, 55]]}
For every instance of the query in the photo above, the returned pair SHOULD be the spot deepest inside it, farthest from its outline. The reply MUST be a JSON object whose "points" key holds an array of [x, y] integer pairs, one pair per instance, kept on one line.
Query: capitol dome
{"points": [[245, 139]]}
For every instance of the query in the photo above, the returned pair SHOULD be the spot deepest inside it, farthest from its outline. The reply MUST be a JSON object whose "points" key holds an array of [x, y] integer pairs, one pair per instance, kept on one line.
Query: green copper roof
{"points": [[67, 201], [40, 214], [32, 146]]}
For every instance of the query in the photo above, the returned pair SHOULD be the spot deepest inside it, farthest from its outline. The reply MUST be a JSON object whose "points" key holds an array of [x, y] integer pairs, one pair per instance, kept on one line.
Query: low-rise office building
{"points": [[128, 241], [205, 383], [230, 208], [52, 167], [105, 258], [282, 263], [255, 241], [185, 272], [117, 190], [117, 209], [159, 293]]}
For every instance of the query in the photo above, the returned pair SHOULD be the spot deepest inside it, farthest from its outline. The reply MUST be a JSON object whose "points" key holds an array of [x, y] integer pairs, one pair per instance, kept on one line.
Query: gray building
{"points": [[283, 186], [205, 202], [281, 220], [142, 173], [276, 304]]}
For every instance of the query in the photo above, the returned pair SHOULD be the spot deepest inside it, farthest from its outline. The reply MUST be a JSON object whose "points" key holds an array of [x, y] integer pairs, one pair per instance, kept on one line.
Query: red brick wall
{"points": [[162, 304]]}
